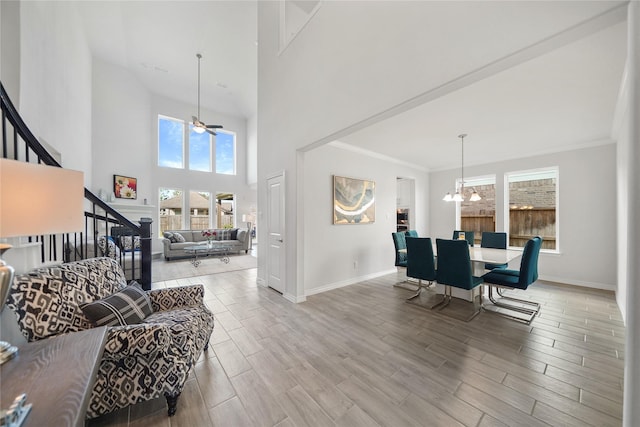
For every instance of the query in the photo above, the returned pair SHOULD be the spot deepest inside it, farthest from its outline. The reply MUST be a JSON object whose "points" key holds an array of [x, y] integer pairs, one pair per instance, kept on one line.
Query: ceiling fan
{"points": [[200, 126]]}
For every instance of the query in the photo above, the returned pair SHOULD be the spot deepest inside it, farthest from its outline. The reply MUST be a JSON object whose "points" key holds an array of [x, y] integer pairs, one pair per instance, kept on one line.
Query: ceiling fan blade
{"points": [[214, 126], [211, 132]]}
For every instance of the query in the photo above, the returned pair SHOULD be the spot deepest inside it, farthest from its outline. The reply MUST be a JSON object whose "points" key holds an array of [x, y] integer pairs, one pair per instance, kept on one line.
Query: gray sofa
{"points": [[237, 240]]}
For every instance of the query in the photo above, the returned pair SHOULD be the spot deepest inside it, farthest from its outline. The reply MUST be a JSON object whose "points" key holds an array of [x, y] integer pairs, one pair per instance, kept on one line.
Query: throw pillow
{"points": [[224, 234], [234, 234], [108, 247], [126, 307], [130, 243], [179, 238], [167, 235]]}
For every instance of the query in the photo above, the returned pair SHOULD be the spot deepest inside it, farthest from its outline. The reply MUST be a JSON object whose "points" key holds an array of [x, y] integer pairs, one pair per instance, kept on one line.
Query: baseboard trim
{"points": [[294, 299], [347, 282], [582, 283]]}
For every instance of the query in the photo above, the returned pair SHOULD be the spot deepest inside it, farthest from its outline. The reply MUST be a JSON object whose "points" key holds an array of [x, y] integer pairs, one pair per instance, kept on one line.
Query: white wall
{"points": [[349, 64], [121, 130], [587, 212], [623, 195], [10, 49], [55, 80], [330, 251]]}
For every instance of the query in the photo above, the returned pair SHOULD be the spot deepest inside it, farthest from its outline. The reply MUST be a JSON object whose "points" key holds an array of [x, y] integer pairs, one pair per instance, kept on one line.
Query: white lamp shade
{"points": [[36, 199], [198, 129], [457, 197]]}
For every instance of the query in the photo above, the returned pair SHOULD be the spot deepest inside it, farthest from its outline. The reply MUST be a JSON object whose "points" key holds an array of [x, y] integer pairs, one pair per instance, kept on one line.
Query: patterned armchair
{"points": [[140, 361]]}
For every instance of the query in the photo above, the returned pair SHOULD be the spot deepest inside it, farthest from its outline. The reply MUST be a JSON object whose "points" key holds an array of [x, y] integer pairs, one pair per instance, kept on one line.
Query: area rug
{"points": [[162, 270]]}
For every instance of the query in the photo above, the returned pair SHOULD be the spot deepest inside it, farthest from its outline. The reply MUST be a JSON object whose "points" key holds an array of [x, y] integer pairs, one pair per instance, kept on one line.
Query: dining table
{"points": [[479, 257]]}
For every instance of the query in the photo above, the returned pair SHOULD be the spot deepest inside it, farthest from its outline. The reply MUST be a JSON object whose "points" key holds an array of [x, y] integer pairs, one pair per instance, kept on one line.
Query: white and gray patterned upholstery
{"points": [[140, 362]]}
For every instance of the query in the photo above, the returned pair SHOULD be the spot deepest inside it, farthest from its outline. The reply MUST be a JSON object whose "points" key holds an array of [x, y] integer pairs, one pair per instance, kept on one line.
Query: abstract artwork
{"points": [[125, 187], [354, 201]]}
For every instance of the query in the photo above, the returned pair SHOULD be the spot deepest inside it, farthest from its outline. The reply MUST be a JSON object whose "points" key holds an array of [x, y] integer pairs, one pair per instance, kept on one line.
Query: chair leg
{"points": [[529, 312], [448, 292], [172, 403]]}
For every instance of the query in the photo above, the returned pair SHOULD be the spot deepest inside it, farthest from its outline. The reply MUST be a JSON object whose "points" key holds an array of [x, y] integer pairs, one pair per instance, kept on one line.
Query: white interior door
{"points": [[275, 221]]}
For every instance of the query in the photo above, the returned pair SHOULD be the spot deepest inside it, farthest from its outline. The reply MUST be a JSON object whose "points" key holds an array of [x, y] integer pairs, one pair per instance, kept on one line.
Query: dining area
{"points": [[455, 272]]}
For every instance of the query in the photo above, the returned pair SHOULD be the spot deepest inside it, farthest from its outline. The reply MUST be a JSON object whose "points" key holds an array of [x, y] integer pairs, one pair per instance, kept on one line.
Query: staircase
{"points": [[18, 143]]}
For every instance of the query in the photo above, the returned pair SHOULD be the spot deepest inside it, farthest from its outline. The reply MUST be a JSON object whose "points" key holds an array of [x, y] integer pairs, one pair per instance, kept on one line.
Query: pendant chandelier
{"points": [[459, 194]]}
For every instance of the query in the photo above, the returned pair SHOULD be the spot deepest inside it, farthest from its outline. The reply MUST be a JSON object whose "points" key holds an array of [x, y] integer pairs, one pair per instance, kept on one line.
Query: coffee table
{"points": [[221, 251]]}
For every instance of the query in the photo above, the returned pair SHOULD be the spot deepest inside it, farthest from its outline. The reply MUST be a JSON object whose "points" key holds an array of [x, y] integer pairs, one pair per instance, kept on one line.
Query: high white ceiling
{"points": [[564, 98], [158, 42]]}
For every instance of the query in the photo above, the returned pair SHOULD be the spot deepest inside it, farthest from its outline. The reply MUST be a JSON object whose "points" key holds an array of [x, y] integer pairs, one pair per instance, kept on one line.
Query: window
{"points": [[199, 151], [533, 207], [170, 142], [199, 206], [225, 207], [171, 205], [225, 152], [480, 215]]}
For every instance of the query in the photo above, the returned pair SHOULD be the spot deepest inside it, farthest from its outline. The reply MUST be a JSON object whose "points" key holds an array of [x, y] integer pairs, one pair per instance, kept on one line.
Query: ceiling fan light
{"points": [[447, 197], [198, 129], [475, 196], [457, 197]]}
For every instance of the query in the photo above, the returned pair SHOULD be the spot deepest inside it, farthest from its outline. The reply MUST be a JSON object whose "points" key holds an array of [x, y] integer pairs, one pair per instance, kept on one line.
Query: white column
{"points": [[632, 342]]}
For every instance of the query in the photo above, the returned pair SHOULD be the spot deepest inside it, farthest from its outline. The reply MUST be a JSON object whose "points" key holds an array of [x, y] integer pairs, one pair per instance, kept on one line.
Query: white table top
{"points": [[486, 255], [493, 256]]}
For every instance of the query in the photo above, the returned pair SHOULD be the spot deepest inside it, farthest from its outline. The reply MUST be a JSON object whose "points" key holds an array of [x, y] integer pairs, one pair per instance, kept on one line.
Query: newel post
{"points": [[145, 242]]}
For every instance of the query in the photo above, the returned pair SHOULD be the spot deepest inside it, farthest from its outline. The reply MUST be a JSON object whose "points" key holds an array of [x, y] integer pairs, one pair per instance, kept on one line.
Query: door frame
{"points": [[283, 177]]}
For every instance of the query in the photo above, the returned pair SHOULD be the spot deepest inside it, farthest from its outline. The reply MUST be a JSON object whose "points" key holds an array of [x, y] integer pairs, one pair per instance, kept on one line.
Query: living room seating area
{"points": [[175, 241], [153, 340]]}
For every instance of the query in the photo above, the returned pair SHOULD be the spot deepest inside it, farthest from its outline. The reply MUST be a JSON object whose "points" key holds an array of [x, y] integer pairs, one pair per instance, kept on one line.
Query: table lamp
{"points": [[248, 219], [35, 200]]}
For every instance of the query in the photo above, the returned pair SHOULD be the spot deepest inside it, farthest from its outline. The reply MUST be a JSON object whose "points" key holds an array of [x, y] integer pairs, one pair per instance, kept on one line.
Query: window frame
{"points": [[507, 198], [190, 151], [184, 154], [235, 155]]}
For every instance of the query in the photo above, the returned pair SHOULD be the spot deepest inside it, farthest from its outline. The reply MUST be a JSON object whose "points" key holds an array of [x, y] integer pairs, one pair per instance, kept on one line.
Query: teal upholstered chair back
{"points": [[529, 263], [399, 242], [497, 240], [468, 236], [420, 260], [491, 239], [454, 265], [412, 233]]}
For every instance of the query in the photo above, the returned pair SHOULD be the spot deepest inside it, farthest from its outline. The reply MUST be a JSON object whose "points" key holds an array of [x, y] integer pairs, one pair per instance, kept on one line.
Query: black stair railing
{"points": [[103, 224]]}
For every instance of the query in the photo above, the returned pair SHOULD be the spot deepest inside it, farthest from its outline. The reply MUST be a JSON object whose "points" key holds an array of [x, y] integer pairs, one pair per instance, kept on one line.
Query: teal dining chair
{"points": [[495, 240], [412, 233], [400, 244], [516, 279], [420, 262], [468, 236], [455, 271]]}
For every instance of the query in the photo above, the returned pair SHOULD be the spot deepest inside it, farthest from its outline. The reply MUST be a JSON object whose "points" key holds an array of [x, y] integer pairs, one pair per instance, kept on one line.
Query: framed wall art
{"points": [[354, 200], [125, 187]]}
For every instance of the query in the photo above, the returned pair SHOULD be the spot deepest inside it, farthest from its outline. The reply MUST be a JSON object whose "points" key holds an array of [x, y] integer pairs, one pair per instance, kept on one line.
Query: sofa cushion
{"points": [[62, 289], [126, 307]]}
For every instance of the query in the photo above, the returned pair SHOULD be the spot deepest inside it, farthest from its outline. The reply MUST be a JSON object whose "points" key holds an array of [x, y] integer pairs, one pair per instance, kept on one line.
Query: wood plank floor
{"points": [[362, 356]]}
